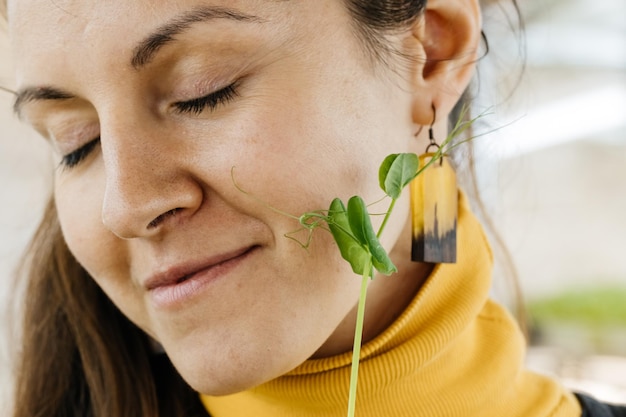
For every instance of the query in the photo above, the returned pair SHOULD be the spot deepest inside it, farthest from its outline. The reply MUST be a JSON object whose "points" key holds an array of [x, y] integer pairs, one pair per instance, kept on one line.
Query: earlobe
{"points": [[449, 33]]}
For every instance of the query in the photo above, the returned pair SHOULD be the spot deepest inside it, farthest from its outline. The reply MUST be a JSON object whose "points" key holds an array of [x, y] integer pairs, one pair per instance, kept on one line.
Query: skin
{"points": [[312, 119]]}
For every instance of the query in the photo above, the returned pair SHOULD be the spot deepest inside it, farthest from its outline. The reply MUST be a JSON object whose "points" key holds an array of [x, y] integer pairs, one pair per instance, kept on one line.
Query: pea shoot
{"points": [[352, 230]]}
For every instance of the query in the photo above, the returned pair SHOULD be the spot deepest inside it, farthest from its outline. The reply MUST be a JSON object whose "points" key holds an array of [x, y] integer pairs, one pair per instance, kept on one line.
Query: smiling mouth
{"points": [[179, 284]]}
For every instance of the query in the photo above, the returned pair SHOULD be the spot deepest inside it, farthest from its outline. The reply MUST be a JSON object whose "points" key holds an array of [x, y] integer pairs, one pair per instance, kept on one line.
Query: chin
{"points": [[220, 379], [228, 368]]}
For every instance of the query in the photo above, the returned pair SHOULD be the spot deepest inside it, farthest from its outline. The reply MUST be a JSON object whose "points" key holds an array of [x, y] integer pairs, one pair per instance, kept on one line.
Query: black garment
{"points": [[594, 408]]}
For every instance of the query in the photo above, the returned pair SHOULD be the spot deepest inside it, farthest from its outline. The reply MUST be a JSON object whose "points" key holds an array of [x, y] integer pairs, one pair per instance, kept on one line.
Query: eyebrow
{"points": [[29, 94], [145, 51], [147, 48]]}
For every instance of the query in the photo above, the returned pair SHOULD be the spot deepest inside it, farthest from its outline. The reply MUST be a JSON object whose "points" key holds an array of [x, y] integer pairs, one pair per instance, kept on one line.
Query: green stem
{"points": [[358, 337], [382, 226]]}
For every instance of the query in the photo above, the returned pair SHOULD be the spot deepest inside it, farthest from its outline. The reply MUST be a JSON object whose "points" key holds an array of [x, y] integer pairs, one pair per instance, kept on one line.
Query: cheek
{"points": [[78, 205], [311, 143]]}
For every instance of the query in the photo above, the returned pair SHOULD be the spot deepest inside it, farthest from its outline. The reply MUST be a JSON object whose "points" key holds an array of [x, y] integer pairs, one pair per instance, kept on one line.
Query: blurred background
{"points": [[552, 176], [553, 180]]}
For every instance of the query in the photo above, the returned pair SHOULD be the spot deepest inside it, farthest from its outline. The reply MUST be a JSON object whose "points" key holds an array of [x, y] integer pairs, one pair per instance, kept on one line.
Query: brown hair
{"points": [[80, 355]]}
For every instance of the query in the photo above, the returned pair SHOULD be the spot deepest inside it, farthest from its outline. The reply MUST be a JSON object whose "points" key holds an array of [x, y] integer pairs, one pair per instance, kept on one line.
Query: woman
{"points": [[149, 246]]}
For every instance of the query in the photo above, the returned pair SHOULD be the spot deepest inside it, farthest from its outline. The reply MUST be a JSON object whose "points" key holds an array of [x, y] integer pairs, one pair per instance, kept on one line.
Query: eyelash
{"points": [[210, 101], [74, 158]]}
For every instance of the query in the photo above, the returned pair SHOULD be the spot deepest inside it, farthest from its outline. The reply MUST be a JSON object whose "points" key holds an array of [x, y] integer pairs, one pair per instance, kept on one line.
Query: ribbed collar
{"points": [[452, 352]]}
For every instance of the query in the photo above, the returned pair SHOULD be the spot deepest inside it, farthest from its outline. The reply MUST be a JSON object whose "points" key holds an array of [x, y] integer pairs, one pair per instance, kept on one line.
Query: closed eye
{"points": [[72, 159], [210, 101]]}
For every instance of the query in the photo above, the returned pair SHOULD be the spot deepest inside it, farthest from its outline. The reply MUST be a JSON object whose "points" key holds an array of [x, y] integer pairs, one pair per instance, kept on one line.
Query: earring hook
{"points": [[431, 135]]}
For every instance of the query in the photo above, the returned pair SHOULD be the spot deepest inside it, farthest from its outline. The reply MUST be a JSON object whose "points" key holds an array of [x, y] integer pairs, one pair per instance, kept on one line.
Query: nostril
{"points": [[158, 220]]}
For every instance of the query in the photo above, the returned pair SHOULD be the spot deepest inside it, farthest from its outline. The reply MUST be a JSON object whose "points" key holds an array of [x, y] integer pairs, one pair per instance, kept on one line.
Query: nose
{"points": [[147, 183]]}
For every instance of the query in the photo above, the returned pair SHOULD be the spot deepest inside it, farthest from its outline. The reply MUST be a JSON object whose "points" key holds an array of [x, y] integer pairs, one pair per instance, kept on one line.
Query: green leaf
{"points": [[351, 249], [396, 172], [383, 171], [361, 227], [358, 218]]}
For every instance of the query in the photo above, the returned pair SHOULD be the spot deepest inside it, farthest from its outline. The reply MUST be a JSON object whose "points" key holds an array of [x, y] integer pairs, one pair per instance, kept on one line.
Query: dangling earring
{"points": [[434, 207]]}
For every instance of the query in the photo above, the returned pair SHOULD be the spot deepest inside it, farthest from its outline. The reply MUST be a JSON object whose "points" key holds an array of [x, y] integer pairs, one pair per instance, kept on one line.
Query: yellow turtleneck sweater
{"points": [[453, 352]]}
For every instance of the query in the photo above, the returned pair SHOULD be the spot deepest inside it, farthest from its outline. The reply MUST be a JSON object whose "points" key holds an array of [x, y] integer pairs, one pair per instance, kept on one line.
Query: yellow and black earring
{"points": [[434, 207]]}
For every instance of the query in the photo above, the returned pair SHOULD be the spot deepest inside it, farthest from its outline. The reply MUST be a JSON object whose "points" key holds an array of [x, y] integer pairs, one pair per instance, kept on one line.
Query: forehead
{"points": [[86, 13], [47, 32], [50, 21]]}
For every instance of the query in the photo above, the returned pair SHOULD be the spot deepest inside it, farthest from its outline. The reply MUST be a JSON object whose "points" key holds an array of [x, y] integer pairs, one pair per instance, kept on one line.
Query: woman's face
{"points": [[156, 108]]}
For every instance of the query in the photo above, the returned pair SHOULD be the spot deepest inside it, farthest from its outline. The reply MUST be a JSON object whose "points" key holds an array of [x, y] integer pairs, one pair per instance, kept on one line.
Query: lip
{"points": [[177, 284]]}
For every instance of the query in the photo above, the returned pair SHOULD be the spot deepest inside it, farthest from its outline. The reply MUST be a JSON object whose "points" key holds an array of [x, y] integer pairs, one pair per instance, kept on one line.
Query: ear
{"points": [[448, 36]]}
